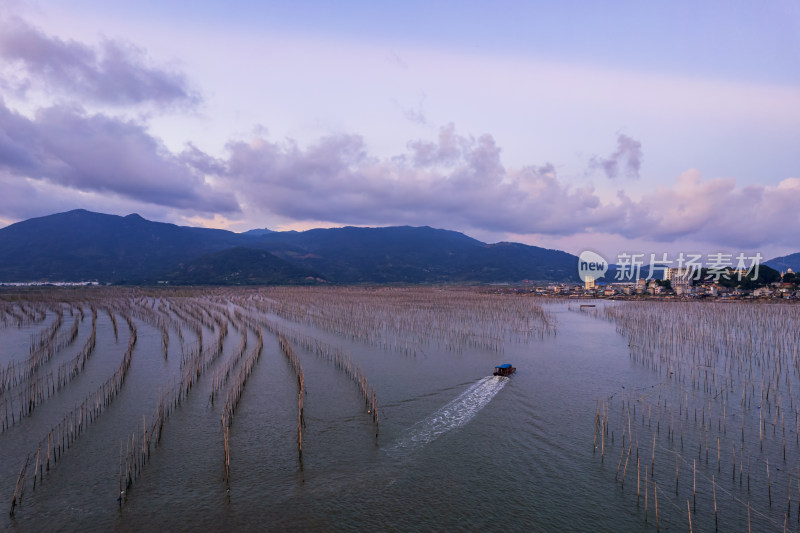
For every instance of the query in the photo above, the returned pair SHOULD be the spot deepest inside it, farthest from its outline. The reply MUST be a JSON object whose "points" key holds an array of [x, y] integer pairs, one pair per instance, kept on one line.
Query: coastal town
{"points": [[677, 284]]}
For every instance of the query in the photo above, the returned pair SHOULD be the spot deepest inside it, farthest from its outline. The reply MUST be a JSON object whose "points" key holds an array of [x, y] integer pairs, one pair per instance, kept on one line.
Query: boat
{"points": [[504, 370]]}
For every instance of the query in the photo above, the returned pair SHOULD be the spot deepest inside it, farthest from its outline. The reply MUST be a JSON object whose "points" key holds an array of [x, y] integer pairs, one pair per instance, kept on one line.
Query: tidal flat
{"points": [[375, 408]]}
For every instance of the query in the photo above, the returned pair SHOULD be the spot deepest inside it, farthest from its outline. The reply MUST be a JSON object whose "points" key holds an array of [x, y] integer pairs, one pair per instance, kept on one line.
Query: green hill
{"points": [[241, 266]]}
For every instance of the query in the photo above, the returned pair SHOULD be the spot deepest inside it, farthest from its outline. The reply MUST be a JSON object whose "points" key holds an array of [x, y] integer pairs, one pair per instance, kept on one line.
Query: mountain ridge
{"points": [[83, 245], [785, 262]]}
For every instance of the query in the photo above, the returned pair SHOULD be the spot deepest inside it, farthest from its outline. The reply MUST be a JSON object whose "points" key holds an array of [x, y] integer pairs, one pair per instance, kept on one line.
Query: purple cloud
{"points": [[715, 210], [97, 153], [416, 114], [457, 182], [114, 73], [446, 152], [627, 157]]}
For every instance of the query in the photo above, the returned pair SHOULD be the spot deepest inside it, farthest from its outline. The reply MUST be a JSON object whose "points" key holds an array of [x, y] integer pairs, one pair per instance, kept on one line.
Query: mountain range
{"points": [[81, 245], [782, 264]]}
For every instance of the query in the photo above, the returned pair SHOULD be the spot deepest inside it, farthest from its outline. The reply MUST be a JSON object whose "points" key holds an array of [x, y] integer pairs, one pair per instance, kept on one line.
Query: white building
{"points": [[680, 279]]}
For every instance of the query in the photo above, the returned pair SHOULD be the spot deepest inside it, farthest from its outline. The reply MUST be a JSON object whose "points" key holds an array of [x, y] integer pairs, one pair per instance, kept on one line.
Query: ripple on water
{"points": [[455, 414]]}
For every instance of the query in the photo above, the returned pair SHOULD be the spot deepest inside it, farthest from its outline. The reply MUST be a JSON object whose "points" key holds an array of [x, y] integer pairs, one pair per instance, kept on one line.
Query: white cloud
{"points": [[460, 182], [103, 154], [456, 182], [626, 159], [716, 210], [115, 72]]}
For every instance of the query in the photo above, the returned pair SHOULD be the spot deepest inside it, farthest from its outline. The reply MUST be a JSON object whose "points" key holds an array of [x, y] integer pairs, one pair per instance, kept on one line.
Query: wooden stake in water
{"points": [[36, 466], [119, 497], [714, 486], [769, 485], [789, 505], [596, 425], [655, 496], [603, 436], [637, 480], [676, 472], [17, 490]]}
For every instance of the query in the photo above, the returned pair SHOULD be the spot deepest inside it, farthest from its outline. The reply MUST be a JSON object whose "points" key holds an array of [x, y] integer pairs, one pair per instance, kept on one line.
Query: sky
{"points": [[650, 127]]}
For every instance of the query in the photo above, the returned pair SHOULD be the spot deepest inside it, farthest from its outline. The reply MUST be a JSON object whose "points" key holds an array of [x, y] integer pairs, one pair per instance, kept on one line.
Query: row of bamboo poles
{"points": [[194, 364], [160, 319], [334, 355], [223, 374], [234, 395], [409, 320], [169, 313], [725, 413], [62, 435], [294, 361], [32, 393], [43, 346], [342, 361], [19, 313], [135, 452]]}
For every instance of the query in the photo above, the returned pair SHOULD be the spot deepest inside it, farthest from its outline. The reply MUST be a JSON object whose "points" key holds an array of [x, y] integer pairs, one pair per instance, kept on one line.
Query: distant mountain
{"points": [[257, 232], [81, 245], [416, 255], [781, 264], [241, 266], [379, 255]]}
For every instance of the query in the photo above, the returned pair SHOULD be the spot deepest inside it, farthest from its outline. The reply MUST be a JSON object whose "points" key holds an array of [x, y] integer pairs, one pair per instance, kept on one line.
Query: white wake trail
{"points": [[453, 415]]}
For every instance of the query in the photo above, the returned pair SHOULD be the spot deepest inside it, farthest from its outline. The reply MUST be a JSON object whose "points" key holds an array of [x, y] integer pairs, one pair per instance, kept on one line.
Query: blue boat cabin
{"points": [[504, 370]]}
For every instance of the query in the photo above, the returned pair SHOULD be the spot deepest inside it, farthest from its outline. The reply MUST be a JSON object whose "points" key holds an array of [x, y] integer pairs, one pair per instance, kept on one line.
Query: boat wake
{"points": [[453, 415]]}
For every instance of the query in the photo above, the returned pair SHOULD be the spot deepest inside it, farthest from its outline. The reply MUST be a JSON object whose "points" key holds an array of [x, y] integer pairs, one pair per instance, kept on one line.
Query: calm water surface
{"points": [[457, 449]]}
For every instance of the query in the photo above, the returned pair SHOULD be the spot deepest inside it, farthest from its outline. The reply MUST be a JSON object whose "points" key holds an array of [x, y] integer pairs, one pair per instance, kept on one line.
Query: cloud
{"points": [[627, 157], [415, 115], [394, 59], [447, 151], [457, 182], [716, 211], [22, 198], [202, 162], [98, 153], [113, 73]]}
